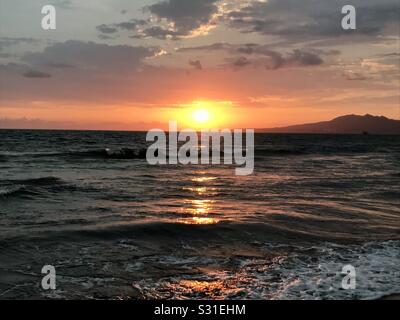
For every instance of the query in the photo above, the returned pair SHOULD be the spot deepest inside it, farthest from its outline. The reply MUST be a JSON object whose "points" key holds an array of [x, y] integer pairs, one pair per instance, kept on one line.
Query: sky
{"points": [[135, 65]]}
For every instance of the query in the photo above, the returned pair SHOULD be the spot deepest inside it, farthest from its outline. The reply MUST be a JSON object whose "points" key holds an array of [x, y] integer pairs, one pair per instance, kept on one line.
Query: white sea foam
{"points": [[312, 272]]}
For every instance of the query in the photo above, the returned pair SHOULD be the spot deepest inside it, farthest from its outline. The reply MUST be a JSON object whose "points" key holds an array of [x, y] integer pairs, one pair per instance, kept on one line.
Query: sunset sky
{"points": [[134, 65]]}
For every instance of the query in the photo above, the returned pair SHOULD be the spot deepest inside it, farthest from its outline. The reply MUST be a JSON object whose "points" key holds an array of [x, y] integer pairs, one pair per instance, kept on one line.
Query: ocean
{"points": [[114, 227]]}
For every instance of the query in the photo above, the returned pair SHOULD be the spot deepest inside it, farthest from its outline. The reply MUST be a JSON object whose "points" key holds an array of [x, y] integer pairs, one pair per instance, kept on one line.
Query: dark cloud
{"points": [[273, 60], [103, 28], [36, 74], [297, 58], [314, 20], [196, 64], [303, 58], [129, 25], [186, 15], [107, 37], [241, 62], [19, 69], [90, 55], [248, 48], [252, 49], [391, 55], [111, 31], [211, 47], [160, 33], [263, 55]]}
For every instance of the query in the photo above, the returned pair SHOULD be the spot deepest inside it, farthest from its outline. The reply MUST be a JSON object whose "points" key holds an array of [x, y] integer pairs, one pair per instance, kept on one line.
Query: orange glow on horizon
{"points": [[204, 114]]}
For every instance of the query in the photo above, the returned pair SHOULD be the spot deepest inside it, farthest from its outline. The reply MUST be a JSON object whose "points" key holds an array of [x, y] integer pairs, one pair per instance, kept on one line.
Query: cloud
{"points": [[240, 62], [273, 60], [13, 68], [63, 4], [90, 56], [130, 25], [10, 41], [159, 33], [314, 20], [5, 55], [103, 28], [303, 58], [107, 37], [196, 64], [353, 76], [36, 74], [170, 19], [59, 65], [262, 55], [185, 15], [375, 66], [9, 69], [211, 47]]}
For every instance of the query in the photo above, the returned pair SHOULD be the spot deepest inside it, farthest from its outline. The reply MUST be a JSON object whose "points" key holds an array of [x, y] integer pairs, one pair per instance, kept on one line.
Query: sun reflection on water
{"points": [[200, 220], [201, 191], [203, 179], [211, 289], [200, 207], [200, 210]]}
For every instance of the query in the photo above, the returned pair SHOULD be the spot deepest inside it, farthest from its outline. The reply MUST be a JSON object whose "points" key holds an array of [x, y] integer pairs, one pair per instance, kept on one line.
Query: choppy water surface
{"points": [[115, 227]]}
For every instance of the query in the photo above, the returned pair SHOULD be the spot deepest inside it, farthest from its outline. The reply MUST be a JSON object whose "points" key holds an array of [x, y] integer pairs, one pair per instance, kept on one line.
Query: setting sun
{"points": [[204, 114], [201, 115]]}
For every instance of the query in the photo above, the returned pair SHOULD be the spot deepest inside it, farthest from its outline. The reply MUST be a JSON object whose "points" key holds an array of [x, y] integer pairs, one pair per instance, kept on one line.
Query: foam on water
{"points": [[313, 272]]}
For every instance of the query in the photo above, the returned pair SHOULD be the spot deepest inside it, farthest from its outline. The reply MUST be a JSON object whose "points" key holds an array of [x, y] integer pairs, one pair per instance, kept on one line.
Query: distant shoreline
{"points": [[343, 125], [257, 131]]}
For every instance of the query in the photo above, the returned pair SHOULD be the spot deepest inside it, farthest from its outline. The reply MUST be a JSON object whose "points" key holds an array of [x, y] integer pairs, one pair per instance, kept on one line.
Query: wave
{"points": [[282, 151], [123, 153], [17, 191], [105, 153], [177, 231], [260, 151], [319, 276], [387, 195], [152, 231], [43, 181], [29, 188], [319, 149], [298, 272]]}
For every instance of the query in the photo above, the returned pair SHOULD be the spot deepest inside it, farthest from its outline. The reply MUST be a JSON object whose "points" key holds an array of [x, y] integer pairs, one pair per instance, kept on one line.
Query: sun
{"points": [[201, 115]]}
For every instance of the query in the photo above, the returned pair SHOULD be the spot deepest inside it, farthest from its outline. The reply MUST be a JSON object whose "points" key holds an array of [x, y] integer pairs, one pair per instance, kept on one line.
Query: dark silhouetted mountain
{"points": [[349, 124]]}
